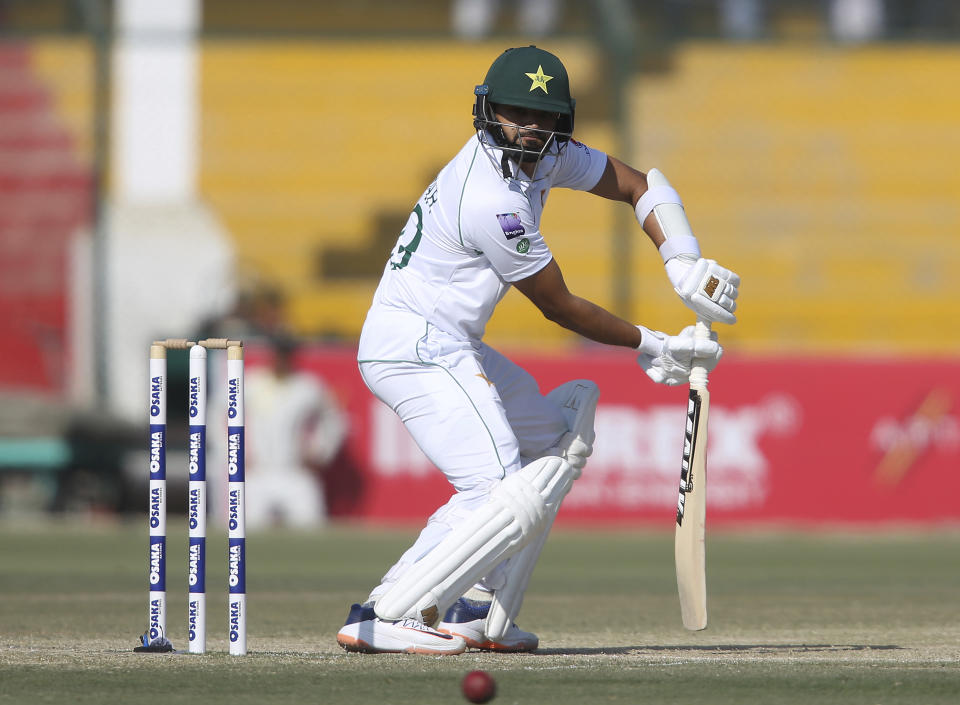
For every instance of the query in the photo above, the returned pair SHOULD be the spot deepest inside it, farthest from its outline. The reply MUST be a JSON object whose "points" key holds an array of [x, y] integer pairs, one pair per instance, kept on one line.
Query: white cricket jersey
{"points": [[470, 235]]}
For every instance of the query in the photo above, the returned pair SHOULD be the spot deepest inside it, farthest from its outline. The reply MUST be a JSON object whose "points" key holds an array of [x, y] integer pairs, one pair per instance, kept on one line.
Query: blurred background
{"points": [[242, 167]]}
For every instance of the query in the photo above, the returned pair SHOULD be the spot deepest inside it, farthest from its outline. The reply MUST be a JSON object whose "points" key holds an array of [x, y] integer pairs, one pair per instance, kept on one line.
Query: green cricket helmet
{"points": [[526, 77]]}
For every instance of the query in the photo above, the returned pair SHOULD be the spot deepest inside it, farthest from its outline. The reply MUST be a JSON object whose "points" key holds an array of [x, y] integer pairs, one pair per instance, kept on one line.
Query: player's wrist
{"points": [[677, 268], [685, 247], [651, 342]]}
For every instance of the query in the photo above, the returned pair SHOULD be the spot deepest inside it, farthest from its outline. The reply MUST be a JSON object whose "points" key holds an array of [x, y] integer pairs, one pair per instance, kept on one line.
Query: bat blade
{"points": [[690, 538]]}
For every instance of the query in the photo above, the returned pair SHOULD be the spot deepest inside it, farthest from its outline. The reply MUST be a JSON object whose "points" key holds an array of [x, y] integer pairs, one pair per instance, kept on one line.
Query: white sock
{"points": [[479, 594]]}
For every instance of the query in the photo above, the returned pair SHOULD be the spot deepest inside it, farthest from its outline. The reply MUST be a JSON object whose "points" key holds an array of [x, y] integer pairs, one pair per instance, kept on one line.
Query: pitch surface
{"points": [[824, 617]]}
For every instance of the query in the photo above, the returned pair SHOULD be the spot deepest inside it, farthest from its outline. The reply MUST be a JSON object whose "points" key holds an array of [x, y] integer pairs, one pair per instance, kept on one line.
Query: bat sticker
{"points": [[689, 444]]}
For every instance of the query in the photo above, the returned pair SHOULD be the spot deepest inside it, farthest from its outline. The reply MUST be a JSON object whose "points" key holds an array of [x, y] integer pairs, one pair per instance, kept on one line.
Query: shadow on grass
{"points": [[745, 648]]}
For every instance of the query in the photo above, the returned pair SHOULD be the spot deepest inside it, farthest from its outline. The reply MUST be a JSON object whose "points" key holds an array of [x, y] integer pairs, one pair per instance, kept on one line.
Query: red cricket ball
{"points": [[479, 687]]}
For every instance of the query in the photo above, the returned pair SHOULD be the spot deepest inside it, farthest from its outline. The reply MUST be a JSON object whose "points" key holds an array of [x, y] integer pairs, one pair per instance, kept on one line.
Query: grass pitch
{"points": [[794, 618]]}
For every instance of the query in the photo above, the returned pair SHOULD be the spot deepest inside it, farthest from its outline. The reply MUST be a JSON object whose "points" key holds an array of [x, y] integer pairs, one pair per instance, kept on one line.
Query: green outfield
{"points": [[794, 618]]}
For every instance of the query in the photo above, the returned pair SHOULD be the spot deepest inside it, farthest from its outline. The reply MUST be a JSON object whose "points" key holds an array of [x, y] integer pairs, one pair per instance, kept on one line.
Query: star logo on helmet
{"points": [[539, 79]]}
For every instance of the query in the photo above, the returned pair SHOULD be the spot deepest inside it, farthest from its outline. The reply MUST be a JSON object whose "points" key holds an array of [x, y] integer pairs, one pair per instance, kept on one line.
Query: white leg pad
{"points": [[516, 513], [578, 402]]}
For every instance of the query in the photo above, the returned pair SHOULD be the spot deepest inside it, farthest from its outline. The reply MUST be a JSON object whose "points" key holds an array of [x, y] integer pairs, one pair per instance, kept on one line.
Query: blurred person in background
{"points": [[742, 19], [509, 452], [475, 19], [295, 427], [847, 20], [854, 21], [259, 313]]}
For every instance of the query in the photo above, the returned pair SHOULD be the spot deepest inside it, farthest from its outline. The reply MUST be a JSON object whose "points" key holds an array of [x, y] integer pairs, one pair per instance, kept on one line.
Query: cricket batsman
{"points": [[510, 453]]}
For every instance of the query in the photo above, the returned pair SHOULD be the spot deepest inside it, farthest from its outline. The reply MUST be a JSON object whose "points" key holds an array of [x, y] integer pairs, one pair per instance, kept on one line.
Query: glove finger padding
{"points": [[574, 450], [668, 359], [708, 289], [697, 351]]}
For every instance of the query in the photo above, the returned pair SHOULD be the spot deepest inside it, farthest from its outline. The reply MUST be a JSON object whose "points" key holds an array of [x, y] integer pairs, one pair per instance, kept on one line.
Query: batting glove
{"points": [[668, 359], [705, 287]]}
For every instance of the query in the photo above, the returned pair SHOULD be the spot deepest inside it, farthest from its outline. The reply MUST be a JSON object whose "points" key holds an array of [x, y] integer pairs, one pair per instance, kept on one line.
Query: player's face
{"points": [[526, 127]]}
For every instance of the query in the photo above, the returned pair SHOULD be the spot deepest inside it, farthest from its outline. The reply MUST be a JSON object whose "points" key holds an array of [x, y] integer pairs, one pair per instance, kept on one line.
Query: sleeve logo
{"points": [[511, 225]]}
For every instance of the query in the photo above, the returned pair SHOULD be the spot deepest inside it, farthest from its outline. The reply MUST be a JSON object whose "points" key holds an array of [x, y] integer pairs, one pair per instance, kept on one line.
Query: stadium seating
{"points": [[828, 177], [825, 175], [798, 164], [45, 190]]}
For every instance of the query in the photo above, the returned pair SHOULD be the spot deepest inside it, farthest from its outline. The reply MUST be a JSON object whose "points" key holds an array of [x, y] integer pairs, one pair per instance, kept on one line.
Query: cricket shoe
{"points": [[366, 633], [467, 619]]}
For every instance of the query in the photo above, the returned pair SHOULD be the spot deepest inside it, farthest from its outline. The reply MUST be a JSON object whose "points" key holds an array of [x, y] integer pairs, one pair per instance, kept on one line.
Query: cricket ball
{"points": [[479, 687]]}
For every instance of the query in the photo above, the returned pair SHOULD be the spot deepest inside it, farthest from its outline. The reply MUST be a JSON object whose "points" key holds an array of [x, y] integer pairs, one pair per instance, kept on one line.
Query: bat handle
{"points": [[698, 374]]}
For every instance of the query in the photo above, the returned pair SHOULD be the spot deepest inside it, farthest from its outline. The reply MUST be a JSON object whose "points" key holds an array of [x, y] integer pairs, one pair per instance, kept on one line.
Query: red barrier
{"points": [[791, 440]]}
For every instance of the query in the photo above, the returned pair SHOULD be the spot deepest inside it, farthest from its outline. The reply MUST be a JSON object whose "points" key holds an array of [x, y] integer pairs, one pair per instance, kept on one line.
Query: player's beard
{"points": [[531, 144]]}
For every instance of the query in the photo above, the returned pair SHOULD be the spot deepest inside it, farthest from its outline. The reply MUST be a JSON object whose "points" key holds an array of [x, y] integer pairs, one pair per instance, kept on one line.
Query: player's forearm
{"points": [[593, 322], [549, 293]]}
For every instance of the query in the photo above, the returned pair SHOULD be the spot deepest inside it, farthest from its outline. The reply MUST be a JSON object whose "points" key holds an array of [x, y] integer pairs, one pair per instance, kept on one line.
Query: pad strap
{"points": [[516, 513], [578, 404], [653, 197], [679, 245]]}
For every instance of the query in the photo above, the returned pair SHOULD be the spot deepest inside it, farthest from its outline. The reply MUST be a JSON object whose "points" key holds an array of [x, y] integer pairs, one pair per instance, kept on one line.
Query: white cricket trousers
{"points": [[475, 414]]}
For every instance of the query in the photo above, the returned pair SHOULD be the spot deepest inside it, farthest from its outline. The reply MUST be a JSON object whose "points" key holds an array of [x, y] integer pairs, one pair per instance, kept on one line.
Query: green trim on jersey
{"points": [[463, 191]]}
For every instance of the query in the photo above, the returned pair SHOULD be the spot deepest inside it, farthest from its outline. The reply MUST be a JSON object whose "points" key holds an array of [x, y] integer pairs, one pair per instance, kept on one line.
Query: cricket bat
{"points": [[689, 547]]}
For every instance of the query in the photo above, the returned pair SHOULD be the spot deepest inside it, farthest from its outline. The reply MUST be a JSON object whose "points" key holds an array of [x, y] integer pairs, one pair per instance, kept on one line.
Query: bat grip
{"points": [[698, 374]]}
